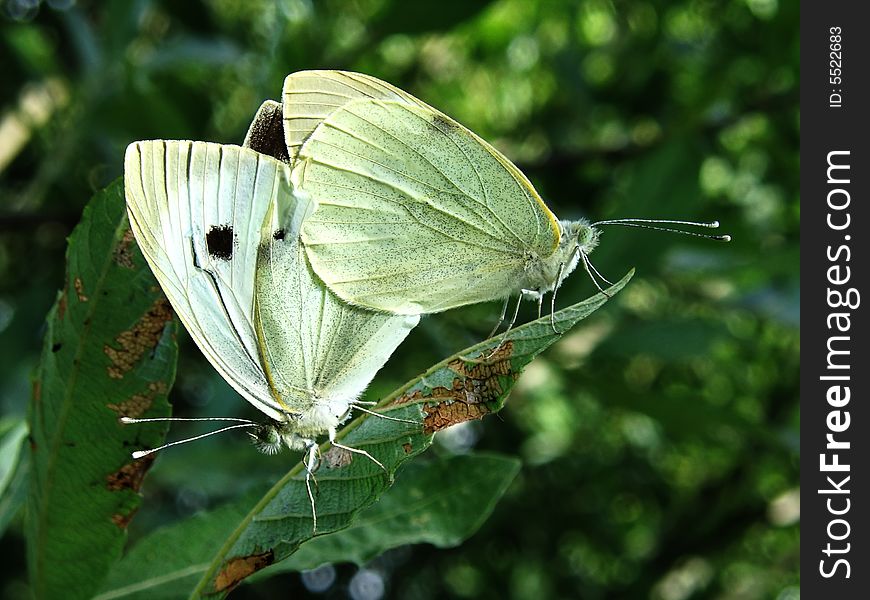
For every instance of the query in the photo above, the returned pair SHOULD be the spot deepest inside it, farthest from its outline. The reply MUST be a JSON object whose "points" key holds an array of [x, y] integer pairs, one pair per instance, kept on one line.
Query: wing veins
{"points": [[423, 200], [486, 203], [459, 188], [462, 192], [438, 231]]}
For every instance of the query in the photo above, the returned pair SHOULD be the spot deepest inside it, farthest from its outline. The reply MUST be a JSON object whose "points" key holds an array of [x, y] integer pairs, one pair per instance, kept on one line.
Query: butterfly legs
{"points": [[332, 440], [510, 326], [358, 403], [501, 317], [311, 463], [590, 269]]}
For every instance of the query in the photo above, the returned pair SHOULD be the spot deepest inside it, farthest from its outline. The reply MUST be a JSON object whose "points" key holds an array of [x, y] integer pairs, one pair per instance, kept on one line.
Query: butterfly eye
{"points": [[266, 439]]}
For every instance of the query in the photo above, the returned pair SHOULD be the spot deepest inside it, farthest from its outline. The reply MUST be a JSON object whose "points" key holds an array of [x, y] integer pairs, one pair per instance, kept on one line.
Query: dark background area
{"points": [[660, 437]]}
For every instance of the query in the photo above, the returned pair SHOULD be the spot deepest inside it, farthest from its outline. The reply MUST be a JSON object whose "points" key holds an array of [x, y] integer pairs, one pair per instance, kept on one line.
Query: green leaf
{"points": [[149, 572], [466, 386], [440, 502], [466, 490], [109, 351]]}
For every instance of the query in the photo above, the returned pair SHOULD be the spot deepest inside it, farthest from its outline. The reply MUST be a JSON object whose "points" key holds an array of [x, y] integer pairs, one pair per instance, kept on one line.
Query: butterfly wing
{"points": [[196, 210], [266, 132], [309, 97], [415, 213], [316, 348]]}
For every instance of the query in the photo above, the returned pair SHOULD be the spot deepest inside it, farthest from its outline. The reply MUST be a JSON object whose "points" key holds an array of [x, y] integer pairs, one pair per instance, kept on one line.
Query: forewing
{"points": [[266, 132], [196, 210], [416, 214], [309, 97], [314, 345]]}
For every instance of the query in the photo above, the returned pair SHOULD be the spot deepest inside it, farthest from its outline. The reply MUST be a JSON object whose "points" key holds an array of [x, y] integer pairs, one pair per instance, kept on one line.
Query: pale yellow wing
{"points": [[416, 214], [196, 210], [317, 349], [309, 97]]}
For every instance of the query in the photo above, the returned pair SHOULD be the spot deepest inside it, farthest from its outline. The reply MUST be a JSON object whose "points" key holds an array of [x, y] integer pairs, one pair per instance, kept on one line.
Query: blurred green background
{"points": [[660, 438]]}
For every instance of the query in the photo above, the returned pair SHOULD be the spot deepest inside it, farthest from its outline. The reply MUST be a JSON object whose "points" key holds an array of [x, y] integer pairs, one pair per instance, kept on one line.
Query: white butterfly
{"points": [[219, 227], [415, 213]]}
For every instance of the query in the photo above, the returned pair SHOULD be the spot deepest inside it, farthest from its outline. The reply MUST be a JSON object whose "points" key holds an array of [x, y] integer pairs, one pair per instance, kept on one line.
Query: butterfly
{"points": [[414, 213], [218, 225]]}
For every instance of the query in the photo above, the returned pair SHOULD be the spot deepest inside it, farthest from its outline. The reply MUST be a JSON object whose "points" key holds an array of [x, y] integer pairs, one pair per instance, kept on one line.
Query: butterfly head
{"points": [[580, 235], [267, 437]]}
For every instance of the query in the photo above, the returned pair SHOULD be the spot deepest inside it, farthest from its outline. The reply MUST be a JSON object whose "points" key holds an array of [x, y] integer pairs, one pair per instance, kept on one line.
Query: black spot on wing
{"points": [[266, 134], [220, 240], [279, 234]]}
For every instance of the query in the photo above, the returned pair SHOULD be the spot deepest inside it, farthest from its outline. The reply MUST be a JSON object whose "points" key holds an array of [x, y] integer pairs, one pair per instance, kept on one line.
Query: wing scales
{"points": [[409, 205], [177, 192], [309, 97], [318, 348]]}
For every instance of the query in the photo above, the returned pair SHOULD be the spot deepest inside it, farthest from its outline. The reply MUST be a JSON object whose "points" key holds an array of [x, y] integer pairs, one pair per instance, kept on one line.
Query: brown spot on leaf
{"points": [[337, 457], [237, 569], [130, 476], [122, 254], [80, 287], [121, 521], [62, 297], [407, 447], [442, 416], [138, 404], [139, 339], [476, 385], [61, 304], [37, 390]]}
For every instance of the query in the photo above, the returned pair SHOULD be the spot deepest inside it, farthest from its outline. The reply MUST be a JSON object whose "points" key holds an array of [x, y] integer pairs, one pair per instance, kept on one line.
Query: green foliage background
{"points": [[660, 438]]}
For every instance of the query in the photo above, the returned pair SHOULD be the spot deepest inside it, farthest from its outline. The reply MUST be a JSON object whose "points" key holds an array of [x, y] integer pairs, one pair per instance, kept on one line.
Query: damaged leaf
{"points": [[109, 349], [468, 488], [468, 385], [440, 502]]}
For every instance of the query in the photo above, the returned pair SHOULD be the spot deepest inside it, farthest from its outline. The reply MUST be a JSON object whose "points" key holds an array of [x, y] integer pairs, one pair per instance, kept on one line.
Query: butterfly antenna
{"points": [[383, 416], [130, 420], [645, 224], [141, 453]]}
